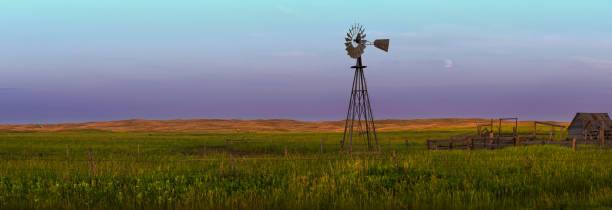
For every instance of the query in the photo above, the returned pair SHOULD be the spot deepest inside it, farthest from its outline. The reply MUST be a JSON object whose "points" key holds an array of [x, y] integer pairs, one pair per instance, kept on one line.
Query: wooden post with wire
{"points": [[67, 152], [91, 165], [395, 160], [221, 165], [322, 151], [231, 157]]}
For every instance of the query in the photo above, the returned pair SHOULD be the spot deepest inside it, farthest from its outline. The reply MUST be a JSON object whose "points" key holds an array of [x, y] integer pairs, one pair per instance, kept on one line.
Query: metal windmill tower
{"points": [[359, 124]]}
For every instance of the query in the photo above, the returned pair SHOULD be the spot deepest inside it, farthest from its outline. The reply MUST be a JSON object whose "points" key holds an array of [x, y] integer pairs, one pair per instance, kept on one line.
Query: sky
{"points": [[79, 61]]}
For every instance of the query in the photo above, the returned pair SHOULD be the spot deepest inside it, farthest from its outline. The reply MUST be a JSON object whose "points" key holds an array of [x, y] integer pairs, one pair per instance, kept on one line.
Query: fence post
{"points": [[491, 132], [232, 162], [528, 161], [91, 166], [395, 160], [286, 151], [138, 152], [574, 144], [322, 146], [602, 134], [221, 165], [550, 136], [406, 142], [517, 141], [470, 144], [67, 152], [500, 129], [601, 142], [450, 144], [535, 128], [499, 140]]}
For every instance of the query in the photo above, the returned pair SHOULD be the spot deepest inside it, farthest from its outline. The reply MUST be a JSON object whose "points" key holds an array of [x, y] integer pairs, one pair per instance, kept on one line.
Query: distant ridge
{"points": [[250, 126]]}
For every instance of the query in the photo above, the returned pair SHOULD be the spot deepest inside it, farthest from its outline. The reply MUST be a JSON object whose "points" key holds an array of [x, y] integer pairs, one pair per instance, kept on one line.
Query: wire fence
{"points": [[313, 158], [367, 162]]}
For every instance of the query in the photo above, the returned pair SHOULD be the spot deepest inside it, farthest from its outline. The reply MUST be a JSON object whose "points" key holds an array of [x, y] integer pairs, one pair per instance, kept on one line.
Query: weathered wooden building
{"points": [[589, 126]]}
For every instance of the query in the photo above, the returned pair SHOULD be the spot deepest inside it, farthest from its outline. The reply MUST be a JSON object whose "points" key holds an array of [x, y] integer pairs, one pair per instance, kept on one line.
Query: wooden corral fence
{"points": [[488, 130], [499, 143], [514, 129], [485, 138], [552, 134], [485, 129], [471, 143], [241, 140]]}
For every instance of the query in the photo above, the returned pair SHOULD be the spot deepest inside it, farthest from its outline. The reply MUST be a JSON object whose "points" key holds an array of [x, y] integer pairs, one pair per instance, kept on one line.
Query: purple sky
{"points": [[109, 60]]}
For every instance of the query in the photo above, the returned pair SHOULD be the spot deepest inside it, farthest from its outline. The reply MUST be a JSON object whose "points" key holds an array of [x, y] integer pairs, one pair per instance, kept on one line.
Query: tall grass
{"points": [[172, 172]]}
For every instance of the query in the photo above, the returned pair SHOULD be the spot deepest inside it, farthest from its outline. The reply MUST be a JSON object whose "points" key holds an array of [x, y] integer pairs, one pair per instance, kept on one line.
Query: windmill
{"points": [[359, 118]]}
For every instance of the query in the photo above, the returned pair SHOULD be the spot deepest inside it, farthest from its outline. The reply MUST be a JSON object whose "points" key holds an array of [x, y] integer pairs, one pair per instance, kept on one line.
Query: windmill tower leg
{"points": [[359, 113], [368, 109]]}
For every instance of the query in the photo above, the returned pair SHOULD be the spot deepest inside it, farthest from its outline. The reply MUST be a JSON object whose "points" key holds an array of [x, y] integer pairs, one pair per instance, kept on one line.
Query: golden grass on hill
{"points": [[242, 126]]}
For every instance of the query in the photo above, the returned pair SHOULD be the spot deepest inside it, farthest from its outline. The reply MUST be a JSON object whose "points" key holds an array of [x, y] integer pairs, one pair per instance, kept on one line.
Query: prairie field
{"points": [[153, 169]]}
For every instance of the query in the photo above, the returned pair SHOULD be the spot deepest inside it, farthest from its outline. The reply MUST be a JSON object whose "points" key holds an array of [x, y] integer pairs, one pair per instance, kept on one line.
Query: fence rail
{"points": [[502, 142]]}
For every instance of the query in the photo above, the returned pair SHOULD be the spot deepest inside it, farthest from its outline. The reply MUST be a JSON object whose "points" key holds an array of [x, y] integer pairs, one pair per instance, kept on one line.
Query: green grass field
{"points": [[172, 171]]}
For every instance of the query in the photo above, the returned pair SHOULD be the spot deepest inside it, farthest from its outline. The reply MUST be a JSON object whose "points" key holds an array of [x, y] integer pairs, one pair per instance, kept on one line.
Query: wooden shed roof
{"points": [[591, 119]]}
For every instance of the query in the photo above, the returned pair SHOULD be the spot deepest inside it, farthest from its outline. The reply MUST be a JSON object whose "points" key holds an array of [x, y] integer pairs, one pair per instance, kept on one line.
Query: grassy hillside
{"points": [[246, 126]]}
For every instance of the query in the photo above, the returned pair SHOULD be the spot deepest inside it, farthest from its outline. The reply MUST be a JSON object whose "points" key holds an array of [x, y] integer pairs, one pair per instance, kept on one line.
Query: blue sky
{"points": [[74, 61]]}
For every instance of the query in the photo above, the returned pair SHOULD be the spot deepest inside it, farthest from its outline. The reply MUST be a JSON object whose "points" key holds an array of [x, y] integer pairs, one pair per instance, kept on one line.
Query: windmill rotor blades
{"points": [[355, 41]]}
